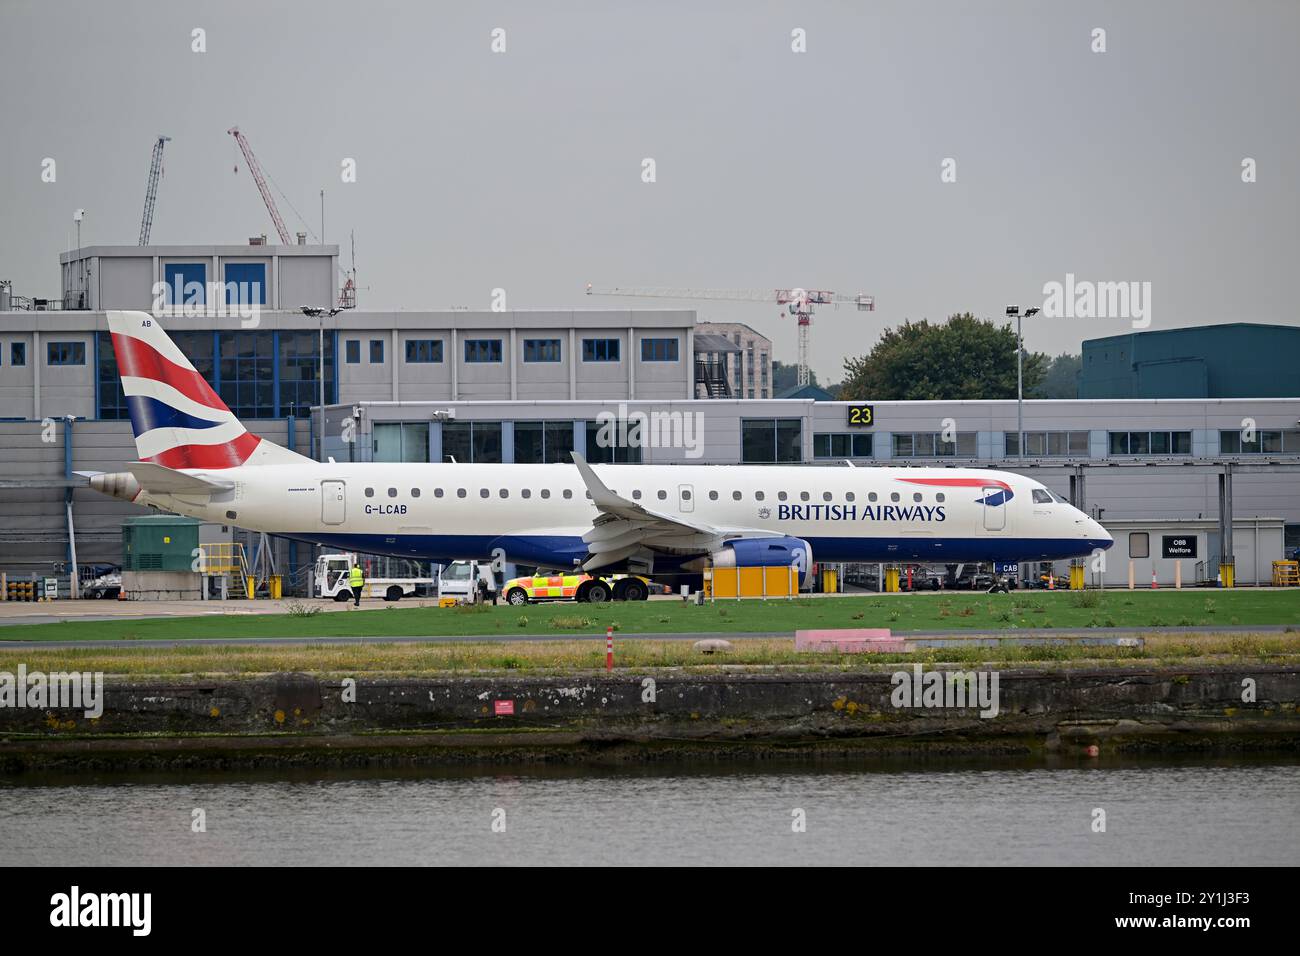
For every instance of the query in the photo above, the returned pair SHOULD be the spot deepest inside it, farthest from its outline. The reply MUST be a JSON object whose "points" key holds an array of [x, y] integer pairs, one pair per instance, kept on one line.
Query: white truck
{"points": [[332, 580], [460, 580]]}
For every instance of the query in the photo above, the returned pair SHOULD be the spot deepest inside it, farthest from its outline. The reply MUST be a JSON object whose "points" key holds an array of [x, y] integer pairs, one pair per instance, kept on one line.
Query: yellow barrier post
{"points": [[891, 580], [251, 585], [1226, 574], [1076, 577]]}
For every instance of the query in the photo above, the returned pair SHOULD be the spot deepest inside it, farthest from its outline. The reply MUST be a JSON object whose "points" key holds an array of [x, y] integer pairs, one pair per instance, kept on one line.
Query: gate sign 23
{"points": [[861, 416]]}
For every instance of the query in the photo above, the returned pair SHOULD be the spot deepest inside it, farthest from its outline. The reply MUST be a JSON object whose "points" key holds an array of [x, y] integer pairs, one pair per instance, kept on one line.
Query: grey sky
{"points": [[522, 170]]}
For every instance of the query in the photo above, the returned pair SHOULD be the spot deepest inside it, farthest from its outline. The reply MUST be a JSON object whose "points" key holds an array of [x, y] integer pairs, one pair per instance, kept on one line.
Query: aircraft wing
{"points": [[626, 529], [162, 480]]}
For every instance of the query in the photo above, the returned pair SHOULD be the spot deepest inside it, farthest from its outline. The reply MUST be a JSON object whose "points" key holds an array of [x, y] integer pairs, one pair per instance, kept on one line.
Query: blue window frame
{"points": [[187, 283], [298, 371], [600, 350], [245, 283], [542, 350], [65, 353], [423, 350], [659, 350], [258, 374], [376, 351], [17, 353], [482, 350], [352, 351]]}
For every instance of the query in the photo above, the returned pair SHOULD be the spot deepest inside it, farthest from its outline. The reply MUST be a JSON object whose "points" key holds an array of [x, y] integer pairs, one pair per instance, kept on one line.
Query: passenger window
{"points": [[735, 495], [415, 492], [568, 492], [686, 494], [437, 492], [546, 492], [939, 497], [663, 495], [392, 492], [916, 497], [758, 496], [370, 492], [781, 496], [893, 496], [848, 496], [588, 494], [803, 496], [483, 493], [826, 496], [460, 492], [525, 493], [504, 493], [636, 495], [713, 496], [871, 496]]}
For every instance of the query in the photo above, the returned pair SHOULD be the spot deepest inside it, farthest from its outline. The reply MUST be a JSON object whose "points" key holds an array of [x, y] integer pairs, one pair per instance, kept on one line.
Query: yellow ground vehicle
{"points": [[575, 587]]}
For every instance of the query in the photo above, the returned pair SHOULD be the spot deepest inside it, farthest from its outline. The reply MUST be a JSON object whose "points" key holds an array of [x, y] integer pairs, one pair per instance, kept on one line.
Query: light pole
{"points": [[320, 355], [77, 216], [1014, 311]]}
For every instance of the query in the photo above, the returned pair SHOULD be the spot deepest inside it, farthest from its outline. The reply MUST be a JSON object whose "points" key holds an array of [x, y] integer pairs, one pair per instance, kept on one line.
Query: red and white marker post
{"points": [[609, 648]]}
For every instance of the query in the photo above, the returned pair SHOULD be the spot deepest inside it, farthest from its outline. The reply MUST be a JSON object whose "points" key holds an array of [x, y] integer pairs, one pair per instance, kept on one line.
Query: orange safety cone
{"points": [[1051, 581], [1155, 585]]}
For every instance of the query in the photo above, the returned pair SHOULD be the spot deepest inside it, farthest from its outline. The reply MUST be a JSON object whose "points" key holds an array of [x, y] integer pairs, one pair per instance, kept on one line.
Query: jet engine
{"points": [[774, 552]]}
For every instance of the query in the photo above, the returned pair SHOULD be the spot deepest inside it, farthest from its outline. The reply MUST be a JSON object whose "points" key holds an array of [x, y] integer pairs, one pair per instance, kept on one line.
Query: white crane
{"points": [[799, 303], [151, 193]]}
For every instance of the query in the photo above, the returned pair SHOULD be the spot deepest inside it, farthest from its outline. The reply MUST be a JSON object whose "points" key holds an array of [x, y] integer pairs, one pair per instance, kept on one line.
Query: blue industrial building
{"points": [[1237, 360]]}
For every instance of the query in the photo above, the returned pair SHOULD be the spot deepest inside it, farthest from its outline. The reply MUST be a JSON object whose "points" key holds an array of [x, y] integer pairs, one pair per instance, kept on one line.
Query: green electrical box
{"points": [[159, 543]]}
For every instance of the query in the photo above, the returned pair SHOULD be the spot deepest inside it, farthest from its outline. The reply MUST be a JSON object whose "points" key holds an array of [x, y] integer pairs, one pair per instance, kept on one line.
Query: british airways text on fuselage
{"points": [[848, 512]]}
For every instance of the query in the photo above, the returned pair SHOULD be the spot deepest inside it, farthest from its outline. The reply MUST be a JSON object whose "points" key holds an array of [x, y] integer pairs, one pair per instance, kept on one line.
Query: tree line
{"points": [[963, 358]]}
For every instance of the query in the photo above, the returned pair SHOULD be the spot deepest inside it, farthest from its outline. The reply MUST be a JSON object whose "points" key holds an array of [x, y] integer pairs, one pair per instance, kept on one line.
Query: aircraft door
{"points": [[333, 501], [686, 498], [995, 515]]}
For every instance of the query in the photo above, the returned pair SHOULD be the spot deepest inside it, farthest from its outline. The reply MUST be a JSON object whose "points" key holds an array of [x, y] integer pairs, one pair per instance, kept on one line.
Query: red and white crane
{"points": [[258, 178], [798, 302]]}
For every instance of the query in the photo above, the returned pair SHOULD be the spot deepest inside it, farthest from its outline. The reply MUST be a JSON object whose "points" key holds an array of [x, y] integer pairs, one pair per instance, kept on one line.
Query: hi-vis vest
{"points": [[357, 578]]}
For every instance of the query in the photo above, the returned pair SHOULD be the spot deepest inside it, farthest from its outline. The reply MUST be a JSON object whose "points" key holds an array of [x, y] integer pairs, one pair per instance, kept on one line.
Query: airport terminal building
{"points": [[536, 385]]}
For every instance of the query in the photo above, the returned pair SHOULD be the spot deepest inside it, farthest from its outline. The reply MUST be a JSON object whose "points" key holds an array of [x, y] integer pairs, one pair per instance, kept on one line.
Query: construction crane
{"points": [[258, 178], [151, 193], [799, 303]]}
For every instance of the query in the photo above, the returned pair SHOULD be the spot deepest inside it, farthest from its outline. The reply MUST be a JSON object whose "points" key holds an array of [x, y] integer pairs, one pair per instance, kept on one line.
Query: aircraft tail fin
{"points": [[177, 419]]}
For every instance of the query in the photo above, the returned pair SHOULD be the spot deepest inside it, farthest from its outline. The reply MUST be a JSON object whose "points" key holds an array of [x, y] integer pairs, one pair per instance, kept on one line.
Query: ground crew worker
{"points": [[357, 581]]}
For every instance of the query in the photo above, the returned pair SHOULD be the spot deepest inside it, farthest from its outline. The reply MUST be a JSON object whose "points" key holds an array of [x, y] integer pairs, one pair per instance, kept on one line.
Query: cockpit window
{"points": [[1056, 497], [1042, 496]]}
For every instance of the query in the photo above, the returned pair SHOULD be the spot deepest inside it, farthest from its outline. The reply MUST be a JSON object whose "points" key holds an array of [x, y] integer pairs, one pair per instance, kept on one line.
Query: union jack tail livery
{"points": [[178, 420]]}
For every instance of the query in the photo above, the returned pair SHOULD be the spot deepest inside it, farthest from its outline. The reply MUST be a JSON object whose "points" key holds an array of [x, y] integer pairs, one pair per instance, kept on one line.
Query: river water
{"points": [[1204, 812]]}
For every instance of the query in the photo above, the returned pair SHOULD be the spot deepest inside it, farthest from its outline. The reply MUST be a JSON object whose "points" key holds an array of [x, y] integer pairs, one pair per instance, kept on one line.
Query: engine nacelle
{"points": [[775, 552]]}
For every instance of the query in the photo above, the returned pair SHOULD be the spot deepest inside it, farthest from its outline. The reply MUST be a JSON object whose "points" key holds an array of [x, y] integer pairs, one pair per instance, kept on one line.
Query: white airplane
{"points": [[666, 521]]}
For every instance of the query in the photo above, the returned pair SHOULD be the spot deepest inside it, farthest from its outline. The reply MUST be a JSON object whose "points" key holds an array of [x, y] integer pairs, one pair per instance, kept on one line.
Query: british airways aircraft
{"points": [[664, 521]]}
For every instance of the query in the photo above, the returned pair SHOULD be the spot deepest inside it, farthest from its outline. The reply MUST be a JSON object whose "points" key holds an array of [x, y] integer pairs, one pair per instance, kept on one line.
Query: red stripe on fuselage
{"points": [[226, 455], [139, 359], [960, 482]]}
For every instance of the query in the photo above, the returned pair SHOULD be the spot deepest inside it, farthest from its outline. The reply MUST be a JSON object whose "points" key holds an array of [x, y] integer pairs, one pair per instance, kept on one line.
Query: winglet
{"points": [[600, 493]]}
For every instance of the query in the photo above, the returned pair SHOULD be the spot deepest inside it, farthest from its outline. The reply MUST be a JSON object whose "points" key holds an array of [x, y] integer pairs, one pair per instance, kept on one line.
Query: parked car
{"points": [[575, 587]]}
